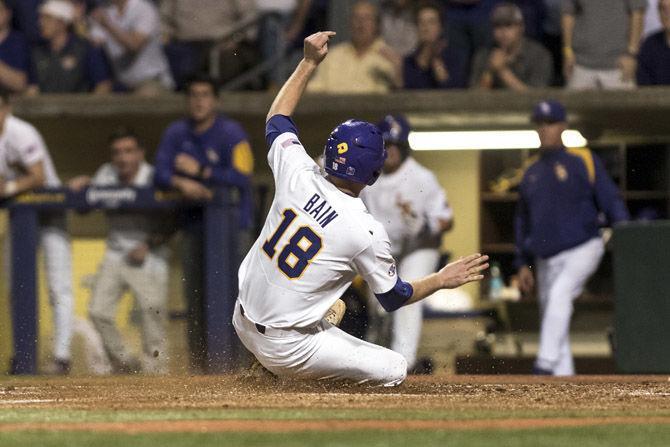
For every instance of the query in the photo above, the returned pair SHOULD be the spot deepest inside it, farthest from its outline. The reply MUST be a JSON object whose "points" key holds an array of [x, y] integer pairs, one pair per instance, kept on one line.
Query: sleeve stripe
{"points": [[587, 158]]}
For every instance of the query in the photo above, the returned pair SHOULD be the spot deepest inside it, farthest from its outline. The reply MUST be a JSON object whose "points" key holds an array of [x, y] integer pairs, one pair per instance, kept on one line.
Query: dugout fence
{"points": [[220, 259]]}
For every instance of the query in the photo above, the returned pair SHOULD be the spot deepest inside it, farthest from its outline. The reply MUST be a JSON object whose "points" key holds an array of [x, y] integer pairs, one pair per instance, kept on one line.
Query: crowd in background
{"points": [[147, 47]]}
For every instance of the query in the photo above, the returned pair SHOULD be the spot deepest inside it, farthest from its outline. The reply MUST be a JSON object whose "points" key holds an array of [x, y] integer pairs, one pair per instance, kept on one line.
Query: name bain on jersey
{"points": [[316, 207]]}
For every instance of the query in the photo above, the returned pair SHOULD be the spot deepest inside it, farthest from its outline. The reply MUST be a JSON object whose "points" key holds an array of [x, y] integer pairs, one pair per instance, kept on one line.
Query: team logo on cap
{"points": [[342, 148]]}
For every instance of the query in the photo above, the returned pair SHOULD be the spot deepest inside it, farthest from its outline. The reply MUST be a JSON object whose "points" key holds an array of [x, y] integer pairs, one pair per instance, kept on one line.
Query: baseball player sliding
{"points": [[317, 236]]}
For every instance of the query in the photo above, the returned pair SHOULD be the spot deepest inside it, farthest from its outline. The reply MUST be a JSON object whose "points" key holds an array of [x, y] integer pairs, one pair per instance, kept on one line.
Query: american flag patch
{"points": [[289, 143]]}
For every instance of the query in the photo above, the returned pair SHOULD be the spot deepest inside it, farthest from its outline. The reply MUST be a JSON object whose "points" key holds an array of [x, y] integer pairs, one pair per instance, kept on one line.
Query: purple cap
{"points": [[549, 111]]}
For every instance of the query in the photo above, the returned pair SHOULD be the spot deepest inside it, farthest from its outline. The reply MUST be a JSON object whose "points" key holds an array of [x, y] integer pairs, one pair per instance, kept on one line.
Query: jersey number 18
{"points": [[301, 248]]}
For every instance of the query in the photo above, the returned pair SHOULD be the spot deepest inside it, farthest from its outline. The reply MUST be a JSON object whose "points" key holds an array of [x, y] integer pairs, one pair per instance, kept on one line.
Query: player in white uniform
{"points": [[413, 207], [136, 259], [25, 164], [317, 236]]}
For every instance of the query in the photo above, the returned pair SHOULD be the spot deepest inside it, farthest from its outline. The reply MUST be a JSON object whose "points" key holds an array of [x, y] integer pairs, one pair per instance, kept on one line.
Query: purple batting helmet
{"points": [[395, 130], [355, 151]]}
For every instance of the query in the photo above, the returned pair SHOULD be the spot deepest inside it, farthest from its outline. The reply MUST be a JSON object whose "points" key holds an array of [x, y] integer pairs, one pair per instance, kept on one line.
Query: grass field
{"points": [[226, 410]]}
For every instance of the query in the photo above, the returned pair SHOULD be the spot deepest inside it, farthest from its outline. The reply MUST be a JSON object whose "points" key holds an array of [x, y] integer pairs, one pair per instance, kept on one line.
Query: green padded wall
{"points": [[642, 297]]}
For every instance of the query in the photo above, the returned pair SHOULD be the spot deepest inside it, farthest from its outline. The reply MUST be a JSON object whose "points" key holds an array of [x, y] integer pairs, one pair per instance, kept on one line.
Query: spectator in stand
{"points": [[136, 259], [435, 63], [66, 63], [363, 65], [272, 40], [601, 39], [514, 62], [130, 33], [399, 25], [14, 54], [654, 59], [196, 154], [468, 26], [192, 28]]}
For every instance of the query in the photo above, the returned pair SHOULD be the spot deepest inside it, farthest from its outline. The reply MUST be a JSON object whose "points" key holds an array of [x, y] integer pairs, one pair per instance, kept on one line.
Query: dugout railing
{"points": [[220, 260]]}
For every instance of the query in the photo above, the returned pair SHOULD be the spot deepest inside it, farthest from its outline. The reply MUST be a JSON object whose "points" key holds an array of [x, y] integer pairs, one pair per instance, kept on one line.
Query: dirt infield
{"points": [[607, 400]]}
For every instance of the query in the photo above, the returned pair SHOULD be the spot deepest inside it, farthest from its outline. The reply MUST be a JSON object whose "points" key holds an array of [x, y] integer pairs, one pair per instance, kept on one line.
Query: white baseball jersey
{"points": [[127, 228], [424, 203], [313, 242], [21, 146]]}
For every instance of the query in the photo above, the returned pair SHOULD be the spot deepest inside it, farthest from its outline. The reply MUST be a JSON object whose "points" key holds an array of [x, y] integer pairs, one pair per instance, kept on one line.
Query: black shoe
{"points": [[423, 366], [542, 372]]}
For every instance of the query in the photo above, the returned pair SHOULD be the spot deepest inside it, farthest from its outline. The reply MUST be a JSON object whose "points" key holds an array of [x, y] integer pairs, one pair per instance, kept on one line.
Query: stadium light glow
{"points": [[483, 140]]}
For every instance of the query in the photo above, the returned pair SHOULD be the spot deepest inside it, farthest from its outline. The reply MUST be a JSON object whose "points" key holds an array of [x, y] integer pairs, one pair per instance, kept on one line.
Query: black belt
{"points": [[259, 327]]}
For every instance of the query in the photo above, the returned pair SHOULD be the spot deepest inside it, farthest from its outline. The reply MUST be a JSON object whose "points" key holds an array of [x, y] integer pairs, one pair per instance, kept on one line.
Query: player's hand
{"points": [[463, 271], [526, 280], [440, 71], [186, 164], [193, 190], [628, 66], [137, 255], [78, 183], [316, 46], [498, 59]]}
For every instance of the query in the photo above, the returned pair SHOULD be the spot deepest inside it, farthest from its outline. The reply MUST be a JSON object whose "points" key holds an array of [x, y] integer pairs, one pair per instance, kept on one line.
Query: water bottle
{"points": [[495, 283]]}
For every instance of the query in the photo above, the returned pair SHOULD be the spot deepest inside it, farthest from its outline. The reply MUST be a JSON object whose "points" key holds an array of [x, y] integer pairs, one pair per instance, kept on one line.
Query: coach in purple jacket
{"points": [[197, 154], [557, 231]]}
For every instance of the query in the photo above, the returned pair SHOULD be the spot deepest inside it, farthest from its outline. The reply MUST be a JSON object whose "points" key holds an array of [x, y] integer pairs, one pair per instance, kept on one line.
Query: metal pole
{"points": [[221, 263], [23, 241]]}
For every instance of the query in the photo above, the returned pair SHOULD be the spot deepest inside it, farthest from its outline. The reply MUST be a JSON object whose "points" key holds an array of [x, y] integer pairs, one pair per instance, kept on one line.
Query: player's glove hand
{"points": [[316, 46], [463, 271]]}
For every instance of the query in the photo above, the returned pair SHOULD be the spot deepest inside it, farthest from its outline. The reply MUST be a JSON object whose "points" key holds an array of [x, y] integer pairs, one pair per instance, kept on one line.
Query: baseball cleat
{"points": [[336, 313]]}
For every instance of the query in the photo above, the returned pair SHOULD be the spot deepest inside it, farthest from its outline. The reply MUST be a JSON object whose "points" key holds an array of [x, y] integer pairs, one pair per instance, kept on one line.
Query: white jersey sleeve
{"points": [[27, 147], [376, 264]]}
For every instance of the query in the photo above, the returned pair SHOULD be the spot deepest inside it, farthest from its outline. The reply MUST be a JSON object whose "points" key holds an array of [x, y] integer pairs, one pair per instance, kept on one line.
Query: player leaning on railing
{"points": [[25, 164], [317, 237]]}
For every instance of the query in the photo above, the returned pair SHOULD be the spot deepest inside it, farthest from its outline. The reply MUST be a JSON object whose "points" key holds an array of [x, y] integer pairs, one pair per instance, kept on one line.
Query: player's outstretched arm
{"points": [[451, 276], [315, 50]]}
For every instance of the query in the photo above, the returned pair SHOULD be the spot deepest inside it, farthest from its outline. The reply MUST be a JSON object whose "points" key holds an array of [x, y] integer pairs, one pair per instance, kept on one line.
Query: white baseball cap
{"points": [[60, 9]]}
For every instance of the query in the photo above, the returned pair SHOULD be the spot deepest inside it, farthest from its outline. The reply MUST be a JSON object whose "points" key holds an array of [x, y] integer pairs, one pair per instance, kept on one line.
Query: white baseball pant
{"points": [[561, 279], [324, 352], [55, 243], [148, 283], [408, 320]]}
